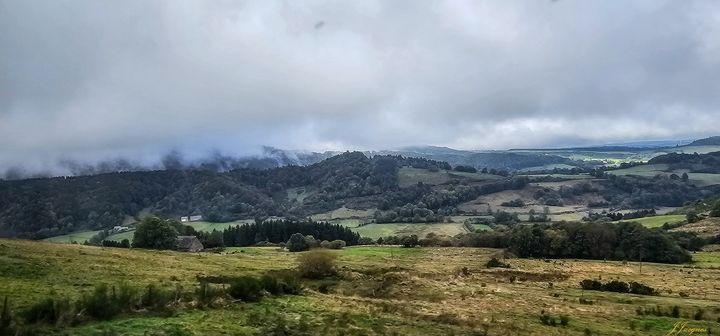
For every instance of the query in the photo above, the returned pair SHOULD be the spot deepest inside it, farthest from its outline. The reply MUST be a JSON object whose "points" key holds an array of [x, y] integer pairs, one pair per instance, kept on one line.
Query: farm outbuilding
{"points": [[189, 244]]}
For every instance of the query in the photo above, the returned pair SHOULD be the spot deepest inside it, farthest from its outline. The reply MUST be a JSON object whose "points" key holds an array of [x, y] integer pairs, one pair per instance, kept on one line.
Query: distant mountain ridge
{"points": [[710, 141], [271, 157]]}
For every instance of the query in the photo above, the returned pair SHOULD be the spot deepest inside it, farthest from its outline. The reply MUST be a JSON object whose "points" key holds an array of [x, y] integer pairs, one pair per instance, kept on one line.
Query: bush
{"points": [[494, 262], [699, 314], [517, 203], [616, 286], [564, 320], [465, 169], [156, 299], [206, 294], [6, 319], [317, 264], [589, 284], [49, 310], [297, 243], [638, 288], [101, 304], [246, 288], [288, 281], [409, 241], [333, 245], [271, 284], [547, 319]]}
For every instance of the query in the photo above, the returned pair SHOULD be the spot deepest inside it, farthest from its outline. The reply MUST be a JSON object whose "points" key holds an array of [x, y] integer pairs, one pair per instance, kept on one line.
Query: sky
{"points": [[94, 80]]}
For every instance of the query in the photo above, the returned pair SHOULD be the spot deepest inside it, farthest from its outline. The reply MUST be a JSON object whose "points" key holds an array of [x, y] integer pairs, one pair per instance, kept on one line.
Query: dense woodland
{"points": [[623, 241], [279, 231], [44, 207]]}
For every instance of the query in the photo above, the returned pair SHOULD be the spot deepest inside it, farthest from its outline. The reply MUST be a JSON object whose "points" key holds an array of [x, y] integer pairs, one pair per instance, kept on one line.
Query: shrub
{"points": [[699, 314], [564, 320], [675, 312], [206, 294], [271, 284], [297, 243], [638, 288], [246, 288], [156, 299], [49, 310], [6, 319], [101, 304], [494, 262], [514, 203], [589, 284], [312, 242], [547, 319], [288, 281], [317, 264], [616, 286], [337, 244], [409, 241]]}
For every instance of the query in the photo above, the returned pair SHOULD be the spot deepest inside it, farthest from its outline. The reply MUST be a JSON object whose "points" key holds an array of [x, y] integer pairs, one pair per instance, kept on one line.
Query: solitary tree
{"points": [[155, 233]]}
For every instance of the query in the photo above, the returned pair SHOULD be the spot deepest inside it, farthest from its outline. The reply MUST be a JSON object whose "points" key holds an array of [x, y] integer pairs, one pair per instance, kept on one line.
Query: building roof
{"points": [[187, 242]]}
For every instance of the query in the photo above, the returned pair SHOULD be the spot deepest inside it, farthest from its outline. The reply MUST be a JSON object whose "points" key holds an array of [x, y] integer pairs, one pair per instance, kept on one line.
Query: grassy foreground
{"points": [[381, 290]]}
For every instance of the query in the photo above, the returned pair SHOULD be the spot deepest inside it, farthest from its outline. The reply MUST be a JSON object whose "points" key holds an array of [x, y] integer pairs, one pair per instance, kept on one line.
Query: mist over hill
{"points": [[270, 157]]}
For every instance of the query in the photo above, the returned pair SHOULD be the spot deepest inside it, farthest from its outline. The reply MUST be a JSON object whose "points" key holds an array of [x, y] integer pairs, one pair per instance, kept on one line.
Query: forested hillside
{"points": [[38, 208], [46, 207]]}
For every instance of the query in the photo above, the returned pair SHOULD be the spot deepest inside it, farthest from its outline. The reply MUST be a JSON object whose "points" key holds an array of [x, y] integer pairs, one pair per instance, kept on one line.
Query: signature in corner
{"points": [[682, 328]]}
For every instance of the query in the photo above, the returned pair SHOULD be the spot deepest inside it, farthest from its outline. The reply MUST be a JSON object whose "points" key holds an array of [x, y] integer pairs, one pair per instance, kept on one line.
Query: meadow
{"points": [[380, 290], [657, 221], [377, 230], [650, 170], [408, 176]]}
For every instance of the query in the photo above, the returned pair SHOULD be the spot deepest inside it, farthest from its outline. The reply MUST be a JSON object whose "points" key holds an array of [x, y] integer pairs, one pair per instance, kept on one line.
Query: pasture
{"points": [[657, 221], [699, 179], [429, 291], [377, 230], [78, 237], [408, 176]]}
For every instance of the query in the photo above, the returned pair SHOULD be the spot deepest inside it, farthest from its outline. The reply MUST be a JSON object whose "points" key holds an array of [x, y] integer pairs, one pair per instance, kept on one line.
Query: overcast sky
{"points": [[101, 79]]}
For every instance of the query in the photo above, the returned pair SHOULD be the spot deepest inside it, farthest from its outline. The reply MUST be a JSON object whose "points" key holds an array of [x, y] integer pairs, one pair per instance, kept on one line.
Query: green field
{"points": [[351, 223], [123, 235], [561, 176], [548, 167], [344, 213], [82, 236], [78, 237], [707, 259], [648, 170], [699, 179], [378, 230], [408, 176], [657, 221], [208, 226], [436, 291]]}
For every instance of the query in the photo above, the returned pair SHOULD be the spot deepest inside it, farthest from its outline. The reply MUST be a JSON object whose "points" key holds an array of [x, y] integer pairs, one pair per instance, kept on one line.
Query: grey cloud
{"points": [[89, 80]]}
